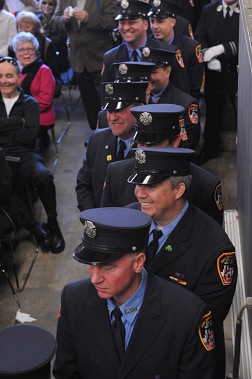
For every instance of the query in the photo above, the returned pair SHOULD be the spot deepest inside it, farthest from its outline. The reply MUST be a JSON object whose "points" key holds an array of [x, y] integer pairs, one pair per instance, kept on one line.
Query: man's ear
{"points": [[139, 261], [181, 188]]}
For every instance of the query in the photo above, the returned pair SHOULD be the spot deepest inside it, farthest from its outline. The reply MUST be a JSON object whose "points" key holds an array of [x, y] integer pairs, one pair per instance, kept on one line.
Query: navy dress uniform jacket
{"points": [[174, 95], [179, 74], [165, 342], [212, 30], [193, 60], [101, 151], [204, 192]]}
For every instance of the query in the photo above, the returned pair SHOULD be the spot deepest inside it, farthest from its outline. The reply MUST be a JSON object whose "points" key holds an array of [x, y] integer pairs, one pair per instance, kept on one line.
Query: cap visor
{"points": [[87, 256], [115, 105], [145, 178]]}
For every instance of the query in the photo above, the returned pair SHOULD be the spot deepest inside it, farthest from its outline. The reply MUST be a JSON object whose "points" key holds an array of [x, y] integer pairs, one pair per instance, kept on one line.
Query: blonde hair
{"points": [[31, 18]]}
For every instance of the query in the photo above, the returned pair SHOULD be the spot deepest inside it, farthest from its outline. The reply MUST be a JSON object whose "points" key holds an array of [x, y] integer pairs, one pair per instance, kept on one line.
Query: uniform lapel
{"points": [[176, 244], [98, 317], [148, 325], [110, 146]]}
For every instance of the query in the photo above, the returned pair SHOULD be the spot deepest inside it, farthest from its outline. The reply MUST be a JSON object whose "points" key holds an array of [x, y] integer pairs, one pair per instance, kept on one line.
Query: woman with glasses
{"points": [[36, 80], [58, 36]]}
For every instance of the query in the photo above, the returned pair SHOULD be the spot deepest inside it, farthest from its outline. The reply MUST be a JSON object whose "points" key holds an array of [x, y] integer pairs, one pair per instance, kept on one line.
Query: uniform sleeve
{"points": [[179, 74], [195, 71], [65, 365], [192, 124], [198, 355], [218, 281]]}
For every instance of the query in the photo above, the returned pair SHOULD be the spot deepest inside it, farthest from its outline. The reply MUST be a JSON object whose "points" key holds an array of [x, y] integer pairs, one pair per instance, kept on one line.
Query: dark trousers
{"points": [[89, 85], [31, 168], [214, 109]]}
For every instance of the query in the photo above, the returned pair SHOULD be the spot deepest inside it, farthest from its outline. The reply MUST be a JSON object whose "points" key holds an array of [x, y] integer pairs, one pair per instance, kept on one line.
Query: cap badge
{"points": [[124, 4], [140, 156], [174, 172], [145, 118], [146, 52], [219, 8], [90, 229], [109, 89], [134, 248], [156, 3], [123, 69]]}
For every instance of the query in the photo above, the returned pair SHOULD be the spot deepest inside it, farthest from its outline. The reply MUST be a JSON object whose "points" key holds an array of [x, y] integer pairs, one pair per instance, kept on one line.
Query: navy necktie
{"points": [[120, 153], [227, 14], [134, 56], [153, 246], [118, 330]]}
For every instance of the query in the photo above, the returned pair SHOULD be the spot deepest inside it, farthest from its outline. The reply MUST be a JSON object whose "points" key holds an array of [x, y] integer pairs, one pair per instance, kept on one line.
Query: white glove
{"points": [[213, 52], [214, 65]]}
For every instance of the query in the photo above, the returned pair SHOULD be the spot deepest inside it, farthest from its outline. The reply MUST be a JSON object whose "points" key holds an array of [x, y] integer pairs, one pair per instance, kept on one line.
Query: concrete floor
{"points": [[41, 295]]}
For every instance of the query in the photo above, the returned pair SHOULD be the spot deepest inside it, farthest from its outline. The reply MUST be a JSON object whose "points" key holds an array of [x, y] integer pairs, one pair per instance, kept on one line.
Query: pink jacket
{"points": [[42, 89]]}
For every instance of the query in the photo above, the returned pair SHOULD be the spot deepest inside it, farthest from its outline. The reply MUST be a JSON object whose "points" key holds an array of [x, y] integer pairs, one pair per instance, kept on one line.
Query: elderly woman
{"points": [[36, 79], [29, 22], [58, 36]]}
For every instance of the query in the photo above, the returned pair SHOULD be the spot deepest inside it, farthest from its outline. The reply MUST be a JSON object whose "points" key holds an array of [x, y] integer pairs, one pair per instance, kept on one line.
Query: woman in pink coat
{"points": [[36, 80]]}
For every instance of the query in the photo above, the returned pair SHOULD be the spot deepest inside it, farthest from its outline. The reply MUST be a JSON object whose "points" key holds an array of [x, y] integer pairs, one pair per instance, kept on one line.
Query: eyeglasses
{"points": [[25, 49], [46, 2], [9, 60]]}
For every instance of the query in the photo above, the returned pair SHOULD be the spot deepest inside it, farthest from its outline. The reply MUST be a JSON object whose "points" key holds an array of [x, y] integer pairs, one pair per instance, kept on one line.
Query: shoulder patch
{"points": [[193, 113], [225, 267], [218, 197], [180, 59], [183, 134], [206, 333], [199, 54]]}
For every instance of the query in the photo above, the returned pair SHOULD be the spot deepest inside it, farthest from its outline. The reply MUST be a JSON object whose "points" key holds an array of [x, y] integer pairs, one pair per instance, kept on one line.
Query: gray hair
{"points": [[176, 180], [24, 37]]}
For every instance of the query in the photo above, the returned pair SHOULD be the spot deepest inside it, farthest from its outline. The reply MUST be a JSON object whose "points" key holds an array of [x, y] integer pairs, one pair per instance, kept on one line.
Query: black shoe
{"points": [[57, 243], [41, 235]]}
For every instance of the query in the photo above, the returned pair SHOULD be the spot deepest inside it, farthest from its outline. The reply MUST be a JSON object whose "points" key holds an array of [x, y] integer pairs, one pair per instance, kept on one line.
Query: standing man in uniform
{"points": [[123, 323], [218, 31], [109, 144], [158, 125], [186, 246], [88, 24], [162, 21]]}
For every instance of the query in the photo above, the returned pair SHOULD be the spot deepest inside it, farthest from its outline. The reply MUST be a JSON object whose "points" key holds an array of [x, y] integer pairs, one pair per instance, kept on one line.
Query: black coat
{"points": [[164, 343], [204, 192], [192, 57], [90, 179], [212, 30]]}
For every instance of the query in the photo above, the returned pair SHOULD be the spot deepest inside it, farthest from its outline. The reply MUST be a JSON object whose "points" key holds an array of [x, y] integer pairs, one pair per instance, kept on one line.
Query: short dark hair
{"points": [[2, 2]]}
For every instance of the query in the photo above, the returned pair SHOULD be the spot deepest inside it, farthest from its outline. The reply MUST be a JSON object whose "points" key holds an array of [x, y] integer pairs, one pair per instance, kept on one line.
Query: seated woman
{"points": [[36, 80], [58, 36], [29, 22]]}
